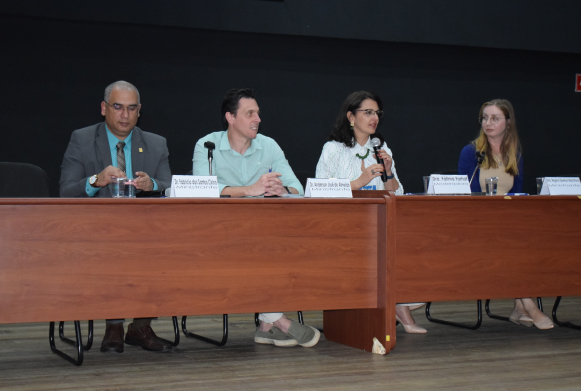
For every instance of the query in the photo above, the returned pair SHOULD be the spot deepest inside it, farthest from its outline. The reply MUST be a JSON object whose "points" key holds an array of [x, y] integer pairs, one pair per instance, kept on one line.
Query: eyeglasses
{"points": [[494, 119], [370, 112], [121, 108]]}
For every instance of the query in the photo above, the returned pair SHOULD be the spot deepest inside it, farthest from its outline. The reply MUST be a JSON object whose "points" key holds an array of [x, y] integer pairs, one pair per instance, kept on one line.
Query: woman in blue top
{"points": [[498, 138]]}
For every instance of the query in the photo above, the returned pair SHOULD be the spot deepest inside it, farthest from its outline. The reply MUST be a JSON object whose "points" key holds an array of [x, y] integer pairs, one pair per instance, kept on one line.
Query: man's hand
{"points": [[104, 177], [268, 184], [143, 181]]}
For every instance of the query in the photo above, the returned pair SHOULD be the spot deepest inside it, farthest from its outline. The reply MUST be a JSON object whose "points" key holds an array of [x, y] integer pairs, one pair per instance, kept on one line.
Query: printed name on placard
{"points": [[194, 186], [561, 186], [449, 184], [328, 187]]}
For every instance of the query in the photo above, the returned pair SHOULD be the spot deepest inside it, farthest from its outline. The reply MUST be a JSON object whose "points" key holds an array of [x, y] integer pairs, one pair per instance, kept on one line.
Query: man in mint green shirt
{"points": [[243, 159], [250, 164]]}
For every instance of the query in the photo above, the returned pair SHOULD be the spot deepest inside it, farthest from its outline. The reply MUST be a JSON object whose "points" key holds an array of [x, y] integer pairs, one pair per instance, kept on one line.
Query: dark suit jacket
{"points": [[88, 154]]}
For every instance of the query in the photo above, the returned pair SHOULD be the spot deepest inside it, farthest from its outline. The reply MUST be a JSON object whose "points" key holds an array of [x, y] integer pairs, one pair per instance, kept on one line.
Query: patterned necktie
{"points": [[120, 156]]}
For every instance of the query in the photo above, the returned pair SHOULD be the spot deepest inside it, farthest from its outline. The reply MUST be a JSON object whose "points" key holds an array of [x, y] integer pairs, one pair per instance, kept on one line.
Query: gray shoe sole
{"points": [[274, 337], [276, 342]]}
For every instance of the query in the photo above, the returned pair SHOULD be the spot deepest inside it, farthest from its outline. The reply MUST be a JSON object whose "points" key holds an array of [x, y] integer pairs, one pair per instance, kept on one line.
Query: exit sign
{"points": [[578, 83]]}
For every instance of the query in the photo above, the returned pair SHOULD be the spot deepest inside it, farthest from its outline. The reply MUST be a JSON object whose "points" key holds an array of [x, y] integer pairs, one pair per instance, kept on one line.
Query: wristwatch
{"points": [[287, 189], [93, 181]]}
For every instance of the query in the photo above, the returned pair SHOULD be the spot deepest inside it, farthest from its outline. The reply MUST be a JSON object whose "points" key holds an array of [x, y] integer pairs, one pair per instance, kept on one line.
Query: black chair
{"points": [[22, 180], [12, 185], [36, 185]]}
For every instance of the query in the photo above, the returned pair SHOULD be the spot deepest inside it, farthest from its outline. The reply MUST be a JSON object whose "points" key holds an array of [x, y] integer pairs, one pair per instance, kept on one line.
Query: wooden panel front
{"points": [[463, 248], [358, 327], [93, 259]]}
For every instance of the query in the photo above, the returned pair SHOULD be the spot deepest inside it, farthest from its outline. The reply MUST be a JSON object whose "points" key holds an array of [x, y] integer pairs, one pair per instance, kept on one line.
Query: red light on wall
{"points": [[578, 83]]}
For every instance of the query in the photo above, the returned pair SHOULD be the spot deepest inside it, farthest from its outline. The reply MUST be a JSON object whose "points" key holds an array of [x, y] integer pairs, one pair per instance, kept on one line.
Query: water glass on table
{"points": [[540, 184], [118, 187], [491, 185], [426, 184], [129, 188]]}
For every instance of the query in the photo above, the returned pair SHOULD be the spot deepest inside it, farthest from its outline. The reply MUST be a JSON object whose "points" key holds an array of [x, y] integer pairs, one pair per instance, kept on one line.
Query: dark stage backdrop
{"points": [[54, 70]]}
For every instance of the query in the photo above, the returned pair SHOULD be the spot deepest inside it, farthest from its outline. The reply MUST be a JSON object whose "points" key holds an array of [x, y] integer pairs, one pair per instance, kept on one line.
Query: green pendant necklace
{"points": [[363, 157]]}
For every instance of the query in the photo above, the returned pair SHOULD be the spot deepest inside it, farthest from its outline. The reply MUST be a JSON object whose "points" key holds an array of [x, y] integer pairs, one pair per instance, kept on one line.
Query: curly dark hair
{"points": [[342, 131]]}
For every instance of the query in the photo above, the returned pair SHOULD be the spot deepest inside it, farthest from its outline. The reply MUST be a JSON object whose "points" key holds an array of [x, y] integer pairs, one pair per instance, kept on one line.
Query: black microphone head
{"points": [[375, 142], [480, 156], [209, 145]]}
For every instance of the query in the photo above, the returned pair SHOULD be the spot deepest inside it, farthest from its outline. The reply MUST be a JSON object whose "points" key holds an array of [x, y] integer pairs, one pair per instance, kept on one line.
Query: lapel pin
{"points": [[140, 149]]}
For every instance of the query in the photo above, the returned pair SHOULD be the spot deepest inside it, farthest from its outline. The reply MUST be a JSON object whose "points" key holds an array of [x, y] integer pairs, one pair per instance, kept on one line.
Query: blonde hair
{"points": [[510, 148]]}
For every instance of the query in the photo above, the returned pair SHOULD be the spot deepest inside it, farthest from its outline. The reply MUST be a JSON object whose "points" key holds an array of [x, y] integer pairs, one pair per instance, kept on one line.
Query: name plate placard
{"points": [[449, 184], [202, 186], [328, 188], [561, 186]]}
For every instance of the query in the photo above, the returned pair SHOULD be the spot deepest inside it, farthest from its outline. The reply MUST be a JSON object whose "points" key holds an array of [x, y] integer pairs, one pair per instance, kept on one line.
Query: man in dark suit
{"points": [[118, 148]]}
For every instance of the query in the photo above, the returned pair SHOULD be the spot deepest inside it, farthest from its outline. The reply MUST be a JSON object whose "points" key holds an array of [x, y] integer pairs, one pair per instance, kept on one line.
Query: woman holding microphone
{"points": [[349, 154]]}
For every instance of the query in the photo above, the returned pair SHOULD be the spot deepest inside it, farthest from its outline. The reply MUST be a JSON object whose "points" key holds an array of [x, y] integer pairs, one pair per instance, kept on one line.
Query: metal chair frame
{"points": [[479, 315], [505, 318], [224, 339], [455, 324], [78, 342], [557, 321]]}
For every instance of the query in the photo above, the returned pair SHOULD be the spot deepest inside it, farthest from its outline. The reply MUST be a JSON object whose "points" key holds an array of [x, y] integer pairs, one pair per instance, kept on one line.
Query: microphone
{"points": [[376, 143], [479, 158], [211, 146]]}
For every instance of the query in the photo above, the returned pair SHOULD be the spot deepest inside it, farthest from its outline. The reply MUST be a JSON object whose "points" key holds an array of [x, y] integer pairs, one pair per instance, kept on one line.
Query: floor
{"points": [[499, 355]]}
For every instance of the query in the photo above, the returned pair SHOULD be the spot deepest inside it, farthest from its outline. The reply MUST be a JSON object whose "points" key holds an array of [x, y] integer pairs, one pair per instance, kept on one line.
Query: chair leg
{"points": [[300, 315], [79, 345], [505, 318], [176, 331], [205, 339], [473, 327], [86, 347], [562, 324]]}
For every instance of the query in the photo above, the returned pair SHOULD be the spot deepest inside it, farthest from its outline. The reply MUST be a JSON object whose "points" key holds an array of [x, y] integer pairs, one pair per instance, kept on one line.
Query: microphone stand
{"points": [[210, 145], [480, 159]]}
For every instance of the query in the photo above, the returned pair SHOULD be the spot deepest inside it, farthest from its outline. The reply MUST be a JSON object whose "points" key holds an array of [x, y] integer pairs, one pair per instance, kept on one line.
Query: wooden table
{"points": [[73, 259], [70, 259], [470, 248], [466, 247]]}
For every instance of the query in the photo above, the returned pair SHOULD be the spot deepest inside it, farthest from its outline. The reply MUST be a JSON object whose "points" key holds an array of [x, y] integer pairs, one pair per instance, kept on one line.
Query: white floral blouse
{"points": [[339, 161]]}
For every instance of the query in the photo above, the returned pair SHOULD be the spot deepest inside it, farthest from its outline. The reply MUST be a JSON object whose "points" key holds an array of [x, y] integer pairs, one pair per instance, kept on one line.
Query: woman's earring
{"points": [[352, 124]]}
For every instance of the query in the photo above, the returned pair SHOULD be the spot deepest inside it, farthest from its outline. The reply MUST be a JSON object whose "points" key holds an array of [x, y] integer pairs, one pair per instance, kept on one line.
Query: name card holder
{"points": [[449, 184], [190, 186], [328, 188], [561, 186]]}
